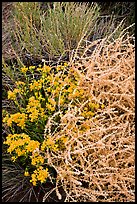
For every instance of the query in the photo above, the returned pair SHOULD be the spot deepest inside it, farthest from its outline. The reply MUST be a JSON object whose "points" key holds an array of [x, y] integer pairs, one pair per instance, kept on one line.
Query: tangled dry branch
{"points": [[98, 165]]}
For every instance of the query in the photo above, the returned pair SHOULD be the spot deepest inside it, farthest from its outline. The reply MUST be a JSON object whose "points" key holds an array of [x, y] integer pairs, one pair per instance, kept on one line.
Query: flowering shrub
{"points": [[50, 100]]}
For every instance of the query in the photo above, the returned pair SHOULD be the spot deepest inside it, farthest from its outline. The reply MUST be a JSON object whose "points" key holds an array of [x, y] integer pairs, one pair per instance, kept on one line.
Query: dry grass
{"points": [[98, 165]]}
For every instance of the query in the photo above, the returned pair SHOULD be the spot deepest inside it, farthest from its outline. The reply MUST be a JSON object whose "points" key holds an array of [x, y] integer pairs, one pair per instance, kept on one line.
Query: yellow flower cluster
{"points": [[16, 142], [35, 109], [31, 68], [18, 83], [21, 87], [54, 145], [36, 85], [51, 104], [44, 69], [52, 101], [61, 86], [37, 159], [40, 174], [18, 151], [21, 144], [61, 142], [24, 70], [50, 143], [64, 139], [12, 94], [62, 66], [18, 118], [32, 145], [89, 110]]}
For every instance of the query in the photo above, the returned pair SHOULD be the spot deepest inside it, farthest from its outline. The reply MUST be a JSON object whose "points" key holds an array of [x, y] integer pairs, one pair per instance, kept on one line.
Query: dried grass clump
{"points": [[98, 162]]}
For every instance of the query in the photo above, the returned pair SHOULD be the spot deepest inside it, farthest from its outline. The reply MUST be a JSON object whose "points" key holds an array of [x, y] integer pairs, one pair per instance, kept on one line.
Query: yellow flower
{"points": [[15, 142], [37, 159], [34, 183], [46, 68], [42, 113], [34, 114], [13, 158], [55, 83], [64, 139], [21, 123], [102, 106], [85, 108], [18, 118], [11, 95], [39, 69], [61, 101], [85, 126], [16, 91], [40, 174], [89, 114], [93, 105], [96, 106], [34, 108], [48, 143], [33, 180], [52, 101], [76, 94], [70, 89], [19, 83], [31, 68], [4, 120], [26, 173], [50, 107], [36, 85], [65, 64], [20, 152], [59, 68], [32, 145], [9, 122], [24, 70], [33, 102], [43, 145]]}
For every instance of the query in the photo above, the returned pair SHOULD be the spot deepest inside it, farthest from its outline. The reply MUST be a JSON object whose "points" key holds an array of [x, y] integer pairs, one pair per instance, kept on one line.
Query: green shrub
{"points": [[54, 32]]}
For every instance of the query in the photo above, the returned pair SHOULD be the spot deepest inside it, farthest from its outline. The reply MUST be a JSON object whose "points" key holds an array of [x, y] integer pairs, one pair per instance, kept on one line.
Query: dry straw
{"points": [[98, 165]]}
